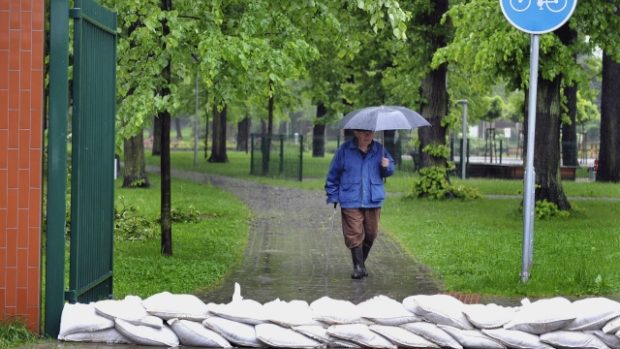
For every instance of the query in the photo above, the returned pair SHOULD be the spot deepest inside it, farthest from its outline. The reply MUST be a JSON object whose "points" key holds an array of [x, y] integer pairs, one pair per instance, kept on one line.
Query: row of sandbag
{"points": [[420, 321]]}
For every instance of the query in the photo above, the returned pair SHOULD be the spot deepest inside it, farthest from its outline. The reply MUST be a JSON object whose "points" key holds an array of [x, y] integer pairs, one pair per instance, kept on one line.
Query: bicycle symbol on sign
{"points": [[551, 5]]}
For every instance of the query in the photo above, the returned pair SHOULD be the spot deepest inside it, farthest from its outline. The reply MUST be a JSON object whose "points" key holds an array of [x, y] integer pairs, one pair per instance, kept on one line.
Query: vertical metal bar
{"points": [[252, 153], [196, 121], [281, 155], [57, 166], [528, 202], [301, 158]]}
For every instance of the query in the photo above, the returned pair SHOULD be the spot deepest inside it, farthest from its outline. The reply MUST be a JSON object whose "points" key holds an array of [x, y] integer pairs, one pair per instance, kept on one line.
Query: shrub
{"points": [[434, 184]]}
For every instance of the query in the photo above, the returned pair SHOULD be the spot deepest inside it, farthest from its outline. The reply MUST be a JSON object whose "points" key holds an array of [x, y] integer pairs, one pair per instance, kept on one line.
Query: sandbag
{"points": [[439, 309], [383, 310], [472, 338], [80, 318], [516, 339], [592, 313], [108, 336], [281, 337], [433, 333], [146, 335], [247, 311], [612, 326], [573, 339], [289, 314], [238, 333], [488, 315], [542, 316], [335, 311], [129, 309], [319, 333], [167, 306], [360, 334], [401, 337], [196, 334], [612, 341]]}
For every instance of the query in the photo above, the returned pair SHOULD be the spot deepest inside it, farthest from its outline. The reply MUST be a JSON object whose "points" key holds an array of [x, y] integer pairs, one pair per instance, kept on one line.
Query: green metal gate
{"points": [[92, 154], [92, 177]]}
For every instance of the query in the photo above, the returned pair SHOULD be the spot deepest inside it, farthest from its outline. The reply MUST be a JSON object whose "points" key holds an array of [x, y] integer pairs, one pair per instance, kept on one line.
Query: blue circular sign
{"points": [[538, 16]]}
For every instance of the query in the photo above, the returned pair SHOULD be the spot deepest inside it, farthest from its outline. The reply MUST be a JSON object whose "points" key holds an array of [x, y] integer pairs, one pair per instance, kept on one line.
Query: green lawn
{"points": [[203, 252], [475, 246]]}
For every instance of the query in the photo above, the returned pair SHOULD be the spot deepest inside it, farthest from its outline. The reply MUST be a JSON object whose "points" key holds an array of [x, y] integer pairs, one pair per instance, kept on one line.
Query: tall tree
{"points": [[609, 154]]}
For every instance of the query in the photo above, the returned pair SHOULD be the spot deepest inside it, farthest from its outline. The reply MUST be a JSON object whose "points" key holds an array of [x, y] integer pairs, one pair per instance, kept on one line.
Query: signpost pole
{"points": [[528, 203]]}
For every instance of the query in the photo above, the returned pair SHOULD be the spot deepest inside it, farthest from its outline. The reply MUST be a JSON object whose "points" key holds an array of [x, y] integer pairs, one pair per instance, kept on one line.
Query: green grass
{"points": [[475, 246], [203, 252], [14, 333]]}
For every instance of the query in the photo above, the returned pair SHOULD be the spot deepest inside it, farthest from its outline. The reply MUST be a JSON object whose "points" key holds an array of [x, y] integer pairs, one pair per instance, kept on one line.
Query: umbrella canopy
{"points": [[383, 118]]}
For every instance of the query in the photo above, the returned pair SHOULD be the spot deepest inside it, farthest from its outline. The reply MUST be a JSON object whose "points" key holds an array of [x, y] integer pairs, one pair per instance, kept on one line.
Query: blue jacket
{"points": [[356, 182]]}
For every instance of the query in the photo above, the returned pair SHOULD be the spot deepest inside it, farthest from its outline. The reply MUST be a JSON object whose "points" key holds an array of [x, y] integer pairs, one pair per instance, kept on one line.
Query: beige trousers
{"points": [[360, 225]]}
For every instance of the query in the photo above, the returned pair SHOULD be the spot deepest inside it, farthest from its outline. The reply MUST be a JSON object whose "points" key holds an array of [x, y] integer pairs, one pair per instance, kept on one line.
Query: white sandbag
{"points": [[238, 333], [335, 311], [488, 315], [360, 334], [316, 332], [108, 336], [247, 311], [516, 339], [401, 337], [289, 314], [319, 333], [612, 341], [166, 305], [129, 309], [146, 335], [433, 333], [383, 310], [79, 318], [542, 316], [612, 326], [572, 339], [439, 309], [472, 338], [196, 334], [281, 337], [592, 313]]}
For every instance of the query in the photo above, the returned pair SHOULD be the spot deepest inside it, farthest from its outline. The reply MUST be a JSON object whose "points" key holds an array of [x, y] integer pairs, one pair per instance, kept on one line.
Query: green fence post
{"points": [[252, 154], [301, 158], [56, 166], [281, 155]]}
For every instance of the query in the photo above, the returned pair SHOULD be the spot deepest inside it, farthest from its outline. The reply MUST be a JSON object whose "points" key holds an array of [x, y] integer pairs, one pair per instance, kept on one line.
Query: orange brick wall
{"points": [[21, 115]]}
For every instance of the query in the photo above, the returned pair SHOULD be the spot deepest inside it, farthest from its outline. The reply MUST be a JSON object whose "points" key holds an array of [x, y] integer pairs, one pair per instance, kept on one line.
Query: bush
{"points": [[546, 209], [434, 184], [129, 225]]}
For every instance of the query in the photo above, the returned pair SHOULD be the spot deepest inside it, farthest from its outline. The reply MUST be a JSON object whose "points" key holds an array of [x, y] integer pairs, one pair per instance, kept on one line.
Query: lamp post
{"points": [[464, 143]]}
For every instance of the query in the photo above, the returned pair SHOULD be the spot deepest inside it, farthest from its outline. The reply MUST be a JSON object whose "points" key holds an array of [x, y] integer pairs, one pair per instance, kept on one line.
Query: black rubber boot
{"points": [[365, 251], [358, 263]]}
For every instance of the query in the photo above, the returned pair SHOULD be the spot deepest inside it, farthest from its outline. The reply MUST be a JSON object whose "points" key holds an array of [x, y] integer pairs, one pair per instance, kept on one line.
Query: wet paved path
{"points": [[296, 251]]}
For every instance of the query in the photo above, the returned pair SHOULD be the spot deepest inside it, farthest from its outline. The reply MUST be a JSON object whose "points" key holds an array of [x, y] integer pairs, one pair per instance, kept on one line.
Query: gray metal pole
{"points": [[464, 143], [528, 192], [196, 121]]}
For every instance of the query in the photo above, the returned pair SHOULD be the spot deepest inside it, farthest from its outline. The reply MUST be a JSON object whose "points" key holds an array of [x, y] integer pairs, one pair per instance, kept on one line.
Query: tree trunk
{"points": [[609, 152], [569, 131], [134, 173], [218, 145], [436, 95], [318, 132], [177, 127], [206, 132], [164, 116], [156, 151], [547, 144], [434, 90], [266, 139], [243, 134]]}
